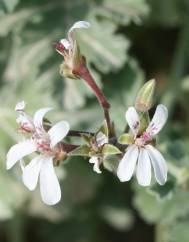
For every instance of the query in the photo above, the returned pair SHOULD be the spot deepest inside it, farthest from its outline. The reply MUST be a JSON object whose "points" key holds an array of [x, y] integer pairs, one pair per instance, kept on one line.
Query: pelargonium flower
{"points": [[69, 49], [100, 140], [140, 153], [47, 145]]}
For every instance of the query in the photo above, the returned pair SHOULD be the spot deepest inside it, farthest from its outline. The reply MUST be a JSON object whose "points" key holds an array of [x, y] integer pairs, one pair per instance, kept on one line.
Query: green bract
{"points": [[110, 150]]}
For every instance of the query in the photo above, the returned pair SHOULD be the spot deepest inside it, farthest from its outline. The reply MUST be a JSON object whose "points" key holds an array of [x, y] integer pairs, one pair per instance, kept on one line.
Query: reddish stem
{"points": [[77, 133], [68, 147], [84, 73]]}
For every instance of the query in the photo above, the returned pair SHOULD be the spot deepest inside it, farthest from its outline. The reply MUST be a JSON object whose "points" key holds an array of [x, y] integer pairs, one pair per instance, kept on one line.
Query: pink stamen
{"points": [[43, 145], [24, 127], [146, 136]]}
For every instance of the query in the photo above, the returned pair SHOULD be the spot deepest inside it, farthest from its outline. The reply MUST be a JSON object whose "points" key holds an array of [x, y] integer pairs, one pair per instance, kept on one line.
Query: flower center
{"points": [[43, 145], [143, 139], [42, 142], [140, 142]]}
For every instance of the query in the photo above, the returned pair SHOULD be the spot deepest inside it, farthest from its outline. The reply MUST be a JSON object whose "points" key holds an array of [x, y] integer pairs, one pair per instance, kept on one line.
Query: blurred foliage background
{"points": [[129, 42]]}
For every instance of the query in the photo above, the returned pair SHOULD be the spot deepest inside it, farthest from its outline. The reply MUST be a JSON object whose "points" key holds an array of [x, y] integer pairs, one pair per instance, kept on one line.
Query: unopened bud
{"points": [[144, 100], [69, 49]]}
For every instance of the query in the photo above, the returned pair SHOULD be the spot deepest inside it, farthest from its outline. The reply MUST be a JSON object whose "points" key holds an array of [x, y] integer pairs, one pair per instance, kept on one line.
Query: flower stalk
{"points": [[84, 73]]}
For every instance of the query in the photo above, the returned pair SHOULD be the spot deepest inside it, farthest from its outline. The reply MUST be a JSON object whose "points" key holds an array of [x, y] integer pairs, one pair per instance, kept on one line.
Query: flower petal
{"points": [[143, 172], [158, 121], [132, 119], [18, 151], [101, 139], [58, 132], [31, 173], [39, 115], [127, 164], [94, 160], [77, 25], [49, 184], [158, 163], [65, 43]]}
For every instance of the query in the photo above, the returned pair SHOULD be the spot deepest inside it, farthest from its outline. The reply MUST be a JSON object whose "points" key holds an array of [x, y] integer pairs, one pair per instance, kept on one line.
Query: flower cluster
{"points": [[133, 151]]}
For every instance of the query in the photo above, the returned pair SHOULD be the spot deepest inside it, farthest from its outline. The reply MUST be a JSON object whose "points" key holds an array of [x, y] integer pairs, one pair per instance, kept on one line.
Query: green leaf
{"points": [[110, 150], [76, 91], [124, 11], [178, 11], [165, 191], [179, 232], [164, 210], [123, 88], [126, 139], [10, 21], [121, 219], [82, 150], [102, 46], [10, 4]]}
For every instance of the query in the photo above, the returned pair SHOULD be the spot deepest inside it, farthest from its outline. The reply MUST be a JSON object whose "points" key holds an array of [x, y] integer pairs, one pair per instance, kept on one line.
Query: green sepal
{"points": [[104, 128], [110, 163], [83, 150], [66, 71], [87, 138], [126, 139], [76, 57], [144, 122], [110, 150], [92, 153]]}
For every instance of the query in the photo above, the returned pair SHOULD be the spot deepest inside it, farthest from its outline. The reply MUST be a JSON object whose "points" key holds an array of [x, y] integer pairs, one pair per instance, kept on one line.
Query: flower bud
{"points": [[144, 100], [69, 49]]}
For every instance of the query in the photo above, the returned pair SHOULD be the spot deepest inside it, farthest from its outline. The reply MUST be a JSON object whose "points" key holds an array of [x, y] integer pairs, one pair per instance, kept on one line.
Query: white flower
{"points": [[141, 155], [100, 140], [65, 45], [47, 144]]}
